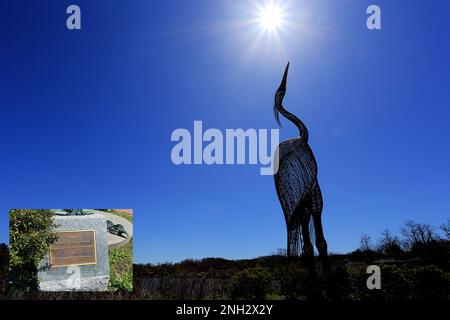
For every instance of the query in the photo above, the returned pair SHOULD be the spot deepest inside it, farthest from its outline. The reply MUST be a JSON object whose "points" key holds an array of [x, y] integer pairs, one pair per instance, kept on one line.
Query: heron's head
{"points": [[279, 95], [282, 87]]}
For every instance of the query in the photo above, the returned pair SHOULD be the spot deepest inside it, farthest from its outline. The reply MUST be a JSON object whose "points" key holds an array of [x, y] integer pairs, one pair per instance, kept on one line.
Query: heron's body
{"points": [[298, 188], [296, 176]]}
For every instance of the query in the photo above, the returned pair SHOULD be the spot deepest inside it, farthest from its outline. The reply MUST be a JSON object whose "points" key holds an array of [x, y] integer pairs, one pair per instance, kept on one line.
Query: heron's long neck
{"points": [[298, 123]]}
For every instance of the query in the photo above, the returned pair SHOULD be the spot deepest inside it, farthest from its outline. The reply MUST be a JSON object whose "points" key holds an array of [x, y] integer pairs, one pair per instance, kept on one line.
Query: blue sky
{"points": [[86, 116]]}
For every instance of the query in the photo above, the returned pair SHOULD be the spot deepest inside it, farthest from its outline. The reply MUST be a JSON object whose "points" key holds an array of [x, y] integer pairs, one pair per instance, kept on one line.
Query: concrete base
{"points": [[92, 277], [80, 284]]}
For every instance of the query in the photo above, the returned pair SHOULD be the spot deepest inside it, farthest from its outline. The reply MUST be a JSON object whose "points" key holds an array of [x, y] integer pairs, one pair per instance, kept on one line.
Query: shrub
{"points": [[431, 283], [358, 285], [251, 284], [364, 255], [30, 236], [397, 283], [336, 285], [296, 282]]}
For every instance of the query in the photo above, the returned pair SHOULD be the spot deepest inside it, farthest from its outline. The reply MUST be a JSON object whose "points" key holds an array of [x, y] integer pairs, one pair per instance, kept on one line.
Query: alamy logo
{"points": [[74, 278], [373, 22], [73, 21], [374, 280], [241, 147]]}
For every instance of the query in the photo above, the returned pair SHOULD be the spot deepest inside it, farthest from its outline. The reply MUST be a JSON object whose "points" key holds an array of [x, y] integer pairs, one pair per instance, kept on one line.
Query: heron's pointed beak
{"points": [[284, 80]]}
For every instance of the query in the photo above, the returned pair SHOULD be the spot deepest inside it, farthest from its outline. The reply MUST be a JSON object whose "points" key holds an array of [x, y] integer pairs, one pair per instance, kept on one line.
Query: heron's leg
{"points": [[308, 249], [321, 244], [293, 241]]}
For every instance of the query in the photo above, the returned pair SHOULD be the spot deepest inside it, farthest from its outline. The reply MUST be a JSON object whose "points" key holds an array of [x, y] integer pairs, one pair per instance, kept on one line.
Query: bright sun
{"points": [[270, 17]]}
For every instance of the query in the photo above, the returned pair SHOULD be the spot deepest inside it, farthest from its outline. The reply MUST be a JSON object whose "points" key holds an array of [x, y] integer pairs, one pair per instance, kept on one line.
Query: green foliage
{"points": [[396, 283], [30, 236], [121, 262], [401, 283], [298, 284], [121, 268], [251, 283]]}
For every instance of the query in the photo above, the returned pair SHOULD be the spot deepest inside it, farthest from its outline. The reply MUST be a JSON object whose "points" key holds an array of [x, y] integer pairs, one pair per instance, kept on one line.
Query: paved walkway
{"points": [[115, 241]]}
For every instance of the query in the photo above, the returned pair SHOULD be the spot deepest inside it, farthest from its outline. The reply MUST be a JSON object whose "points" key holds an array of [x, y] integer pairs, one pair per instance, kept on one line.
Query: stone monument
{"points": [[78, 259]]}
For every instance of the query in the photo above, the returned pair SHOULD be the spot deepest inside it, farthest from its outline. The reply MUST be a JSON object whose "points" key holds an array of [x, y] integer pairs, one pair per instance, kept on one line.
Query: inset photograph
{"points": [[71, 250]]}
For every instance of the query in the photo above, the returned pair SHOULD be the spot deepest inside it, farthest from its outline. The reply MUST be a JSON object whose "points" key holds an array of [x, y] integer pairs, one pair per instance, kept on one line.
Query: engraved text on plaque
{"points": [[73, 248]]}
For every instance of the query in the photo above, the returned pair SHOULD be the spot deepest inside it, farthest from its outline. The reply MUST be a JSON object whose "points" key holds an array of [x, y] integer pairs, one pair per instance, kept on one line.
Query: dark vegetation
{"points": [[414, 265], [4, 263]]}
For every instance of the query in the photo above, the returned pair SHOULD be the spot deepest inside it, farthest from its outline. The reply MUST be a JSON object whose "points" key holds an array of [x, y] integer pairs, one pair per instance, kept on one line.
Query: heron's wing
{"points": [[295, 177]]}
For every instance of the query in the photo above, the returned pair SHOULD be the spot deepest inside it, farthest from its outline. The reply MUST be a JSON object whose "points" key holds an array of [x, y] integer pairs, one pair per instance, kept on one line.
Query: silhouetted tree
{"points": [[422, 241], [445, 227], [364, 243], [417, 234], [389, 245]]}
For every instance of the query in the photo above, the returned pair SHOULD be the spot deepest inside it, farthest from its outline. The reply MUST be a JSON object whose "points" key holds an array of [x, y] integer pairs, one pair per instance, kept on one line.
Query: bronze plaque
{"points": [[73, 248]]}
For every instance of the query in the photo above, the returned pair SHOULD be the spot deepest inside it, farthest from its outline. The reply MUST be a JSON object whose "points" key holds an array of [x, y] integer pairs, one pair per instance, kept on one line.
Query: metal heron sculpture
{"points": [[298, 189]]}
